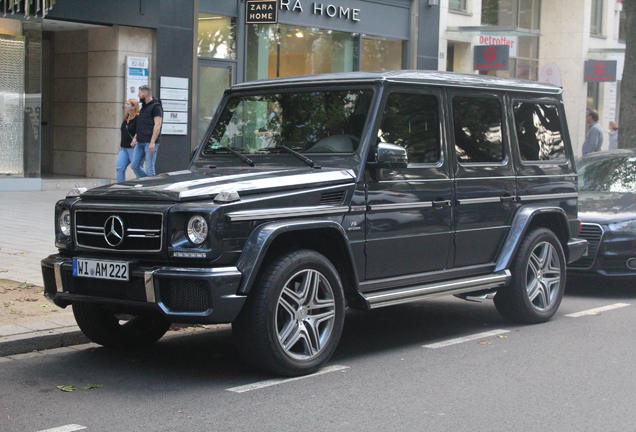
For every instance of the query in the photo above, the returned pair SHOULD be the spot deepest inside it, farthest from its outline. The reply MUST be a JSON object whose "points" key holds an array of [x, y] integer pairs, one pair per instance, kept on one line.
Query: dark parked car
{"points": [[607, 207], [309, 194]]}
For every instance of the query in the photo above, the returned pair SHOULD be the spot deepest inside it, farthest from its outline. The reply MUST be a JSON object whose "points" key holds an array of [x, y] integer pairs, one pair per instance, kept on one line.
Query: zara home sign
{"points": [[328, 10], [261, 12]]}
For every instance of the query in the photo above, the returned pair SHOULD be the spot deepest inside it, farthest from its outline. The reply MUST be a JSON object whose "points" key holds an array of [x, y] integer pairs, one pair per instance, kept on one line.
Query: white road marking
{"points": [[276, 381], [597, 310], [67, 428], [465, 339]]}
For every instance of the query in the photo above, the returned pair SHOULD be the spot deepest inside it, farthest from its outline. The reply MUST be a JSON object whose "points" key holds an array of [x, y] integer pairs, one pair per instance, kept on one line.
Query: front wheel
{"points": [[538, 280], [293, 318], [115, 330]]}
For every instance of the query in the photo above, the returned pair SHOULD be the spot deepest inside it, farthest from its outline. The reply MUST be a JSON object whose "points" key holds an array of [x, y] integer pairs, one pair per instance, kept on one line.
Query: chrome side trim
{"points": [[485, 200], [400, 206], [405, 295], [250, 215], [150, 286], [58, 277], [548, 196]]}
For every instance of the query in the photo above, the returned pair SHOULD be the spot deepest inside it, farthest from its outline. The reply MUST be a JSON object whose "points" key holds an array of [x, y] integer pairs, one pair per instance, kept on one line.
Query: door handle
{"points": [[507, 198], [441, 203]]}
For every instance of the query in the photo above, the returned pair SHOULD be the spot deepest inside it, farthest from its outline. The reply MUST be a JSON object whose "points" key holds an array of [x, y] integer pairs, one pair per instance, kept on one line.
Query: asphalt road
{"points": [[436, 365]]}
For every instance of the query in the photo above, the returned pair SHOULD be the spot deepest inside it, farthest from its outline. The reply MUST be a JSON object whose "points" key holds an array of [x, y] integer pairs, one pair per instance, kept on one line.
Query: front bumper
{"points": [[181, 294], [576, 249]]}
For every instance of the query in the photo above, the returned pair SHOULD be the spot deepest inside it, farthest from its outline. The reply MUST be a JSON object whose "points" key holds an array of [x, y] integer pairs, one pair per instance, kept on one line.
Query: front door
{"points": [[408, 224]]}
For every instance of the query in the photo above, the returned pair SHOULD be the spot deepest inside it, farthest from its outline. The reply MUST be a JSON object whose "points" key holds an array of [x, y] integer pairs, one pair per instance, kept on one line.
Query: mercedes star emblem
{"points": [[114, 231]]}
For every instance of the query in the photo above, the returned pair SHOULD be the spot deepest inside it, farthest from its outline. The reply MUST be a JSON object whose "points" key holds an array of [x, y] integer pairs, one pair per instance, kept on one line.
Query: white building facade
{"points": [[549, 41]]}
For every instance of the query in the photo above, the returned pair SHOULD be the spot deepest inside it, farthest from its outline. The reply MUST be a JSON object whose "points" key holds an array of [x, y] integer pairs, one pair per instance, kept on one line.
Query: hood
{"points": [[192, 185], [604, 207]]}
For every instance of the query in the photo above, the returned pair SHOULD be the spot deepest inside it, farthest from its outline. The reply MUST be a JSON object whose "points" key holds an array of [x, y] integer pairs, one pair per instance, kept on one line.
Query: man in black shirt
{"points": [[148, 133]]}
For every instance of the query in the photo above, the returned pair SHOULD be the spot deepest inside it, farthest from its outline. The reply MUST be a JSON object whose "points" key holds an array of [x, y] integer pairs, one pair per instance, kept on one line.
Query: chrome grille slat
{"points": [[593, 233], [142, 230]]}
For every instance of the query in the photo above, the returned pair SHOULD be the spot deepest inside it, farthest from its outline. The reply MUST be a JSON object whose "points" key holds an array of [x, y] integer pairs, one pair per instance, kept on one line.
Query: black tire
{"points": [[118, 330], [293, 317], [537, 285]]}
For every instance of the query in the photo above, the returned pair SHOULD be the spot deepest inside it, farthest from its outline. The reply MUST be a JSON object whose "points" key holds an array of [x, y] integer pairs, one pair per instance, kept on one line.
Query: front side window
{"points": [[412, 121], [538, 128], [312, 122], [477, 124]]}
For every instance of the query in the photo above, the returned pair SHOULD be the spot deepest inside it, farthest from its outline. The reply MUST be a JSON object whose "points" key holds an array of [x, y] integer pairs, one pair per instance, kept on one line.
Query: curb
{"points": [[41, 340]]}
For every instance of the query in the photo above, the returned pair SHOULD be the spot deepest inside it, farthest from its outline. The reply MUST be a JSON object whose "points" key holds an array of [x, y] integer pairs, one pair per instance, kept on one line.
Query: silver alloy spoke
{"points": [[305, 314], [544, 275]]}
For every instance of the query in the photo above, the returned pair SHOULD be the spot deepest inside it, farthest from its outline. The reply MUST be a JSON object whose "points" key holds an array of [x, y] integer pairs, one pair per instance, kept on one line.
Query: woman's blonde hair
{"points": [[134, 112], [613, 125]]}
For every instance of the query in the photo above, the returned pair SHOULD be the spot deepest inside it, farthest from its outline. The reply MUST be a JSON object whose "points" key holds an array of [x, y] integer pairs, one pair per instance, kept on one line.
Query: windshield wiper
{"points": [[293, 152], [242, 157]]}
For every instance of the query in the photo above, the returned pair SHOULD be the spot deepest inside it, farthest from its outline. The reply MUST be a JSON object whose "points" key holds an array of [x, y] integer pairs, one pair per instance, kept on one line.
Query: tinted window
{"points": [[317, 122], [412, 121], [478, 132], [538, 128], [611, 174]]}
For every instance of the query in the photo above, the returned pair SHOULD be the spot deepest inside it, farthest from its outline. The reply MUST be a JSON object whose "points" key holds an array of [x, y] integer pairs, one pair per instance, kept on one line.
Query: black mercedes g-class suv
{"points": [[315, 193]]}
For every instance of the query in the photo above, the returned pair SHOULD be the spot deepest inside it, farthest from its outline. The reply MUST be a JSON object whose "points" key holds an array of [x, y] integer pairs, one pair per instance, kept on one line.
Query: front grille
{"points": [[185, 295], [141, 232], [593, 234], [132, 290]]}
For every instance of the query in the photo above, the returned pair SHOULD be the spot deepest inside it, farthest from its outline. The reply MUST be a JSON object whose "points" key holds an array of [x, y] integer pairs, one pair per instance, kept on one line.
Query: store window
{"points": [[525, 16], [280, 50], [622, 23], [217, 36], [596, 24], [457, 5], [20, 98], [381, 53]]}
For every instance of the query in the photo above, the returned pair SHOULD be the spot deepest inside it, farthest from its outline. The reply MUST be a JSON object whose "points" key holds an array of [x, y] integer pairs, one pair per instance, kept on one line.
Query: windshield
{"points": [[616, 174], [306, 122]]}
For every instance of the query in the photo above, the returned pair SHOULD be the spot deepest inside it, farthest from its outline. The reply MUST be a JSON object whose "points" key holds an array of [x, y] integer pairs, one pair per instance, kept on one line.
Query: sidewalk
{"points": [[26, 237]]}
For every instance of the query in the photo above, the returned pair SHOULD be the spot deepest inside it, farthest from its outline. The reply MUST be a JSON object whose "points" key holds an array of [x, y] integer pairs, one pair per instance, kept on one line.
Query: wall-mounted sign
{"points": [[491, 57], [137, 74], [511, 41], [599, 70], [174, 100], [550, 73], [261, 11], [323, 9]]}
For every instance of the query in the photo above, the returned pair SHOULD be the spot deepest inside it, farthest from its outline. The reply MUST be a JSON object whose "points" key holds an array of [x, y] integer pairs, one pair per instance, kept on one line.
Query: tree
{"points": [[627, 134]]}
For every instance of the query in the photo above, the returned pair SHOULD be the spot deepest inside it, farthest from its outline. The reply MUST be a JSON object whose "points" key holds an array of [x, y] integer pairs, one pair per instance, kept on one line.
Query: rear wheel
{"points": [[293, 318], [116, 330], [538, 280]]}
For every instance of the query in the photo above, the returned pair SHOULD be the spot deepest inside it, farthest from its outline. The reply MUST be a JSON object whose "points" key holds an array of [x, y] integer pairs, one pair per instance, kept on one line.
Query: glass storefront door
{"points": [[12, 52], [214, 78]]}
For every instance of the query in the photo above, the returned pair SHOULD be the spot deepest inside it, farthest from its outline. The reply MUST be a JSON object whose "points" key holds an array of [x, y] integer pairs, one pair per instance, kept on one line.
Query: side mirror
{"points": [[391, 155]]}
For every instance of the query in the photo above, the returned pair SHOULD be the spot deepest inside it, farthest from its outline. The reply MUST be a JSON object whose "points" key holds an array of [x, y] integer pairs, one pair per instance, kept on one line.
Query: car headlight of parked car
{"points": [[64, 222], [628, 225], [197, 229]]}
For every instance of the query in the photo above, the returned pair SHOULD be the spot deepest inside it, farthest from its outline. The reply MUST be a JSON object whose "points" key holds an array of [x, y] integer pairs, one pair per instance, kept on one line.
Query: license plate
{"points": [[100, 269]]}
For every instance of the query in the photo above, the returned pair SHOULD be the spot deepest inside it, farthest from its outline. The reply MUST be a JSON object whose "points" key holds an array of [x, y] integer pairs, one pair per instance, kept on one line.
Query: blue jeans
{"points": [[141, 152], [124, 158]]}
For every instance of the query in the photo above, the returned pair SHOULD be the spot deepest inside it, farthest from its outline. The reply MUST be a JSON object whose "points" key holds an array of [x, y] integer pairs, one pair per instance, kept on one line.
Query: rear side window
{"points": [[478, 131], [538, 128], [411, 120]]}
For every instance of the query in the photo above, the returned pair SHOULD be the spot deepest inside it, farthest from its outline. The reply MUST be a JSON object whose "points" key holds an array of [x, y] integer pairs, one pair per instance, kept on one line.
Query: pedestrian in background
{"points": [[613, 135], [128, 132], [594, 137], [149, 124]]}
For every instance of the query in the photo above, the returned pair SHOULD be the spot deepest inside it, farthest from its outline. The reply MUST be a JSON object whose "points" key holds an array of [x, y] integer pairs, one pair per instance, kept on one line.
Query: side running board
{"points": [[458, 286]]}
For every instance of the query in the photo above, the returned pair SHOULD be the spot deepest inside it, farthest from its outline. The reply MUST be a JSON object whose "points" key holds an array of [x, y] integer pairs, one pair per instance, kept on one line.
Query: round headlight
{"points": [[197, 229], [64, 222]]}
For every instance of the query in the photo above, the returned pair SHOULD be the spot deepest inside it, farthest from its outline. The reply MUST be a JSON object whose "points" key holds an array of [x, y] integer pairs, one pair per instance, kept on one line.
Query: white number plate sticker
{"points": [[99, 269]]}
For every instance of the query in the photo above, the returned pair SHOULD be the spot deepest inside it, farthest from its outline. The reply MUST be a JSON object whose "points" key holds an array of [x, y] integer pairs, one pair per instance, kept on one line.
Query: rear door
{"points": [[484, 176]]}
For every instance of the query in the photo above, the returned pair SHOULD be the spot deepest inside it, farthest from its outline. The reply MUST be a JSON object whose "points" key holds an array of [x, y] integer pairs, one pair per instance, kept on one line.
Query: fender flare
{"points": [[262, 237], [518, 228]]}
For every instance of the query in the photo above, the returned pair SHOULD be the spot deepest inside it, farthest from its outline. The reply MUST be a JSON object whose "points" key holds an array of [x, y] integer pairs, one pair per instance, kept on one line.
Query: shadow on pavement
{"points": [[598, 287]]}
